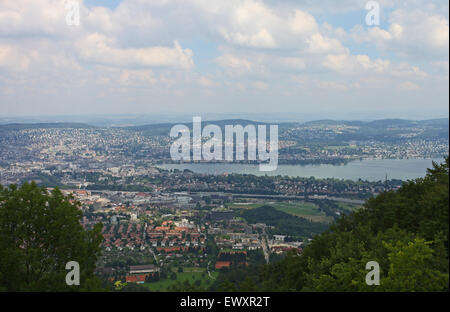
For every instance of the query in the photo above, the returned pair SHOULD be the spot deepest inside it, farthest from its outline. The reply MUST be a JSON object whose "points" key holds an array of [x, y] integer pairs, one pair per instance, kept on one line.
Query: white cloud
{"points": [[415, 33], [260, 85], [146, 49], [12, 59], [441, 65], [206, 82], [409, 86], [261, 39], [331, 85], [320, 44], [138, 77], [33, 18], [233, 62], [359, 65], [100, 49], [355, 64]]}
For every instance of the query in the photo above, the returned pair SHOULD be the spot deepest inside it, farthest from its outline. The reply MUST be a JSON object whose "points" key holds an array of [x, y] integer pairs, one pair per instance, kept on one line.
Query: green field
{"points": [[245, 205], [165, 284], [298, 208], [305, 210], [302, 209]]}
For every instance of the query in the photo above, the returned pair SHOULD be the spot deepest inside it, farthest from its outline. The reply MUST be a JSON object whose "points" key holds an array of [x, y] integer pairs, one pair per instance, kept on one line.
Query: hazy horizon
{"points": [[143, 119]]}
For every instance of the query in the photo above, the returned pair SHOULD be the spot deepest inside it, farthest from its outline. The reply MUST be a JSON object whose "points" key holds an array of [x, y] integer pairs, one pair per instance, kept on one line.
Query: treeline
{"points": [[329, 207], [279, 185], [236, 257], [120, 187], [46, 180], [406, 232]]}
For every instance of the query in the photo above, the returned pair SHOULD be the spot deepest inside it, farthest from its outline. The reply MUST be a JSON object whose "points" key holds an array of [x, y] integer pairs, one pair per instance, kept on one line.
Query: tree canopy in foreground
{"points": [[405, 231], [40, 232]]}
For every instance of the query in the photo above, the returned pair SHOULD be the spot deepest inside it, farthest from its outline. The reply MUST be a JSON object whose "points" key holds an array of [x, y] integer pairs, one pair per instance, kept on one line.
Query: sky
{"points": [[307, 57]]}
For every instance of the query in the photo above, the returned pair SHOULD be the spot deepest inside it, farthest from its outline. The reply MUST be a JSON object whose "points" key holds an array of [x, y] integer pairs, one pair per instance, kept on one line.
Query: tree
{"points": [[404, 275], [185, 286], [406, 232], [227, 286], [248, 285], [40, 232]]}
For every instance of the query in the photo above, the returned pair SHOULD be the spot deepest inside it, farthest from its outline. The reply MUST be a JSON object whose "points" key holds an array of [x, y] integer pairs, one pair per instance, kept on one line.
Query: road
{"points": [[265, 247]]}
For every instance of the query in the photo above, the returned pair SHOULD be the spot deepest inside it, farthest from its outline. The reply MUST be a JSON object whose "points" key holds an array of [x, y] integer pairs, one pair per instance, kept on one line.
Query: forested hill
{"points": [[406, 232], [54, 125]]}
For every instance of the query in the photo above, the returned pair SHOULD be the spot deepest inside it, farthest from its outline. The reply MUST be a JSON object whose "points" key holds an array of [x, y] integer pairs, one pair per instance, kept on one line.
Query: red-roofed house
{"points": [[138, 279], [222, 264]]}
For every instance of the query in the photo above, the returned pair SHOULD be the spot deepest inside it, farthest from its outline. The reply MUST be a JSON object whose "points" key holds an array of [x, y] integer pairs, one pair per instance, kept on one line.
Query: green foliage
{"points": [[284, 223], [404, 275], [227, 286], [187, 286], [39, 233], [405, 231], [132, 287]]}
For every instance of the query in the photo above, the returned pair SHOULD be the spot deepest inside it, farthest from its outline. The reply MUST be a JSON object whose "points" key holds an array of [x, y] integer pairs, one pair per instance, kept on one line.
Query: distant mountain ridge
{"points": [[59, 125], [380, 123]]}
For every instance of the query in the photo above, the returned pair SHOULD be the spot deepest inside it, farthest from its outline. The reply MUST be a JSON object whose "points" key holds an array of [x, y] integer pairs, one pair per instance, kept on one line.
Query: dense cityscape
{"points": [[161, 226], [224, 155]]}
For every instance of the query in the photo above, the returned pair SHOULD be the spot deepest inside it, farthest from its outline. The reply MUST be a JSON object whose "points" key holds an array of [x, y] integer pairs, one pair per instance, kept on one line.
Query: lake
{"points": [[367, 169]]}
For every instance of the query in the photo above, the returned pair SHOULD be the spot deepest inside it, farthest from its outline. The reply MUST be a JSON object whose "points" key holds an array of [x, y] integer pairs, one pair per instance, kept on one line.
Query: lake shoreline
{"points": [[365, 169]]}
